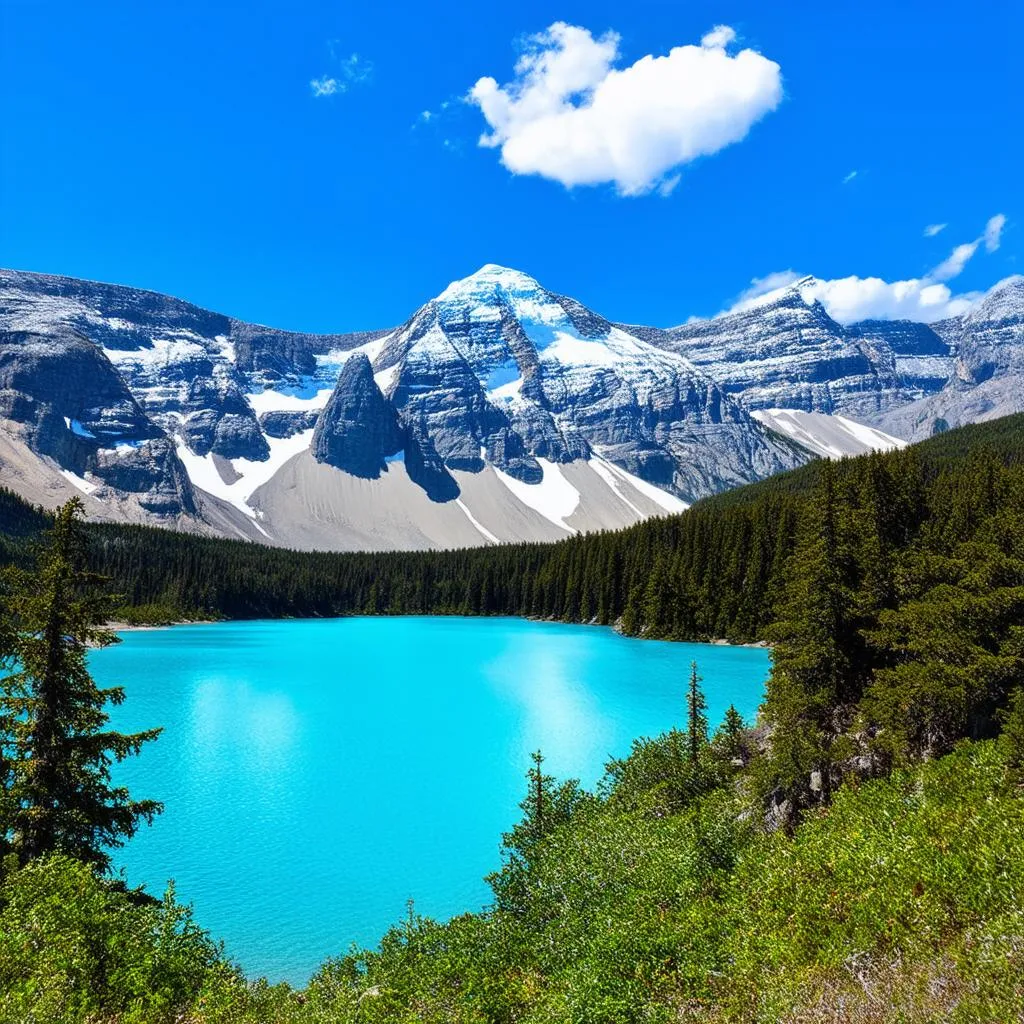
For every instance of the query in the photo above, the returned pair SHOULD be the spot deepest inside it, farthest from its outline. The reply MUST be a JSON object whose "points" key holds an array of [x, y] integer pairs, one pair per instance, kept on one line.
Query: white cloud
{"points": [[352, 70], [849, 177], [933, 229], [994, 231], [848, 299], [720, 35], [955, 262], [326, 86], [571, 116], [761, 286]]}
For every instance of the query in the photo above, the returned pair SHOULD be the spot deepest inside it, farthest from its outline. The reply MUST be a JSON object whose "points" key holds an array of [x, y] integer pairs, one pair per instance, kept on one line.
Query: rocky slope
{"points": [[987, 378], [785, 352]]}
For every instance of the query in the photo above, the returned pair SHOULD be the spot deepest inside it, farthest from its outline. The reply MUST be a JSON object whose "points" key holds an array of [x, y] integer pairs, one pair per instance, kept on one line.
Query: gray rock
{"points": [[358, 429], [72, 406], [286, 423]]}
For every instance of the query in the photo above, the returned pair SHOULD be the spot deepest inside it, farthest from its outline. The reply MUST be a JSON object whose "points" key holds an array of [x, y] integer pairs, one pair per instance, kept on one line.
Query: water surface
{"points": [[316, 774]]}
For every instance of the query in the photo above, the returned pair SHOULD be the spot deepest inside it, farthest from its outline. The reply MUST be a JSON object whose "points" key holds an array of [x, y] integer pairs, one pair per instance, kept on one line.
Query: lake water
{"points": [[316, 774]]}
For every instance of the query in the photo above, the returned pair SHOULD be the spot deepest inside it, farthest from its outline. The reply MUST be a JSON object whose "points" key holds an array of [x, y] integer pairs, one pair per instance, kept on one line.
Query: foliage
{"points": [[55, 751]]}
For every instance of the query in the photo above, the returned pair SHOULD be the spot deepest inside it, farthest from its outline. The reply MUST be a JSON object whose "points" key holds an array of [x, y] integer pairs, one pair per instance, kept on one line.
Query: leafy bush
{"points": [[76, 948]]}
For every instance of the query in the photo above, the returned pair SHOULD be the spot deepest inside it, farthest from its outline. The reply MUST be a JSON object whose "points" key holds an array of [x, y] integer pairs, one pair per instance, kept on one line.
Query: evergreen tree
{"points": [[731, 739], [53, 737], [696, 716], [811, 695]]}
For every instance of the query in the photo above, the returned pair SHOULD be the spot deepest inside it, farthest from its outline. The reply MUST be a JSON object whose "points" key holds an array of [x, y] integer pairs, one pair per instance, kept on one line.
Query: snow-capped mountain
{"points": [[498, 411], [785, 352]]}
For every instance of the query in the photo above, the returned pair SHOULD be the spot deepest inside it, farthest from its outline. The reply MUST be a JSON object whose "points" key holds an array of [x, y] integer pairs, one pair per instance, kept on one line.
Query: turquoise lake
{"points": [[316, 774]]}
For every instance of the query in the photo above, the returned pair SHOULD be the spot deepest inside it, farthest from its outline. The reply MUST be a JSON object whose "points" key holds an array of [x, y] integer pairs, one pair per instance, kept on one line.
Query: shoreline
{"points": [[138, 627], [129, 627]]}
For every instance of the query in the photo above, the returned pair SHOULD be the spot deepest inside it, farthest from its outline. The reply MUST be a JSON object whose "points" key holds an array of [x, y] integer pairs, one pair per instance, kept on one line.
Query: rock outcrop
{"points": [[358, 428]]}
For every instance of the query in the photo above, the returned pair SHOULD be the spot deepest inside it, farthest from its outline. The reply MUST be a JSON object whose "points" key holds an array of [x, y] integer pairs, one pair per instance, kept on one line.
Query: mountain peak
{"points": [[489, 278]]}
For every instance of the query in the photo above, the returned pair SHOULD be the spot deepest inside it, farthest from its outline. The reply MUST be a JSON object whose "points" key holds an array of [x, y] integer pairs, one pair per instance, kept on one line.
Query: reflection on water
{"points": [[316, 774]]}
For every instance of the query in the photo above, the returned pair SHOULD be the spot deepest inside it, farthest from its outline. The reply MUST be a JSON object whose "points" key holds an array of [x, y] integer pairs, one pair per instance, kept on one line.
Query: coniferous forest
{"points": [[855, 854]]}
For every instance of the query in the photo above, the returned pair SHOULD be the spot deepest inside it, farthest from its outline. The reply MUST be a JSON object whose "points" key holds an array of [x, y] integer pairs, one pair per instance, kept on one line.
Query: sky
{"points": [[331, 166]]}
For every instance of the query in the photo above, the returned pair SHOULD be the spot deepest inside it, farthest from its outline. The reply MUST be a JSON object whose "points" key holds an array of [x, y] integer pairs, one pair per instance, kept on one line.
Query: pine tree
{"points": [[731, 736], [547, 805], [53, 735], [696, 716], [811, 693]]}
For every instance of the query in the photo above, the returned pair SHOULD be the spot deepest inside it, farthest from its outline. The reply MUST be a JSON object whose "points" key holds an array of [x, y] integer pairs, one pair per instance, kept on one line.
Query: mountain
{"points": [[987, 378], [905, 379], [783, 351], [498, 411]]}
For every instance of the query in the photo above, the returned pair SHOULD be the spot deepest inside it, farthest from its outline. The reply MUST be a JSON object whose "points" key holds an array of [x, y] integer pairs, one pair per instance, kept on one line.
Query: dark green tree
{"points": [[1011, 740], [731, 738], [696, 716], [55, 744], [813, 688], [547, 806]]}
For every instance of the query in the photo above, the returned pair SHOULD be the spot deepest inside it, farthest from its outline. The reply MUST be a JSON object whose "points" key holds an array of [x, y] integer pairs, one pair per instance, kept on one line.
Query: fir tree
{"points": [[696, 716], [1011, 740], [56, 748], [811, 695], [731, 738]]}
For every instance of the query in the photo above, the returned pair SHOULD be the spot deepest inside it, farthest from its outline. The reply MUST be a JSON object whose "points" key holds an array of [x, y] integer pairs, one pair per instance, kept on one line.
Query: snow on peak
{"points": [[488, 279], [1003, 300]]}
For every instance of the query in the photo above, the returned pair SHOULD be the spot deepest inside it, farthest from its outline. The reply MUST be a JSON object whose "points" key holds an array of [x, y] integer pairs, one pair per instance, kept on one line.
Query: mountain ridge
{"points": [[516, 412]]}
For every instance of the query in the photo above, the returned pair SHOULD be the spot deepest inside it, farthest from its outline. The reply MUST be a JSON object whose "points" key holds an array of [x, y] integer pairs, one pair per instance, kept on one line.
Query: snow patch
{"points": [[80, 482], [385, 378], [832, 437], [554, 497], [203, 472], [225, 348], [600, 467], [279, 401], [336, 357], [506, 392], [480, 528], [572, 351], [664, 499]]}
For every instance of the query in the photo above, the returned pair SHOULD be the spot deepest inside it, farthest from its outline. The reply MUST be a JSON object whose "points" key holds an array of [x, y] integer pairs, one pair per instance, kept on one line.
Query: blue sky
{"points": [[273, 161]]}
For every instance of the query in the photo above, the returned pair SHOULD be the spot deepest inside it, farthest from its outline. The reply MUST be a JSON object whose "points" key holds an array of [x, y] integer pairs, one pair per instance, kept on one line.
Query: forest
{"points": [[855, 854]]}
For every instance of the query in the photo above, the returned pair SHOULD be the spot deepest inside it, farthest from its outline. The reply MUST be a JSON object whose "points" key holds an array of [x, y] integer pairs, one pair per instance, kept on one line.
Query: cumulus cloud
{"points": [[848, 299], [994, 232], [351, 70], [570, 115], [720, 35], [933, 229]]}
